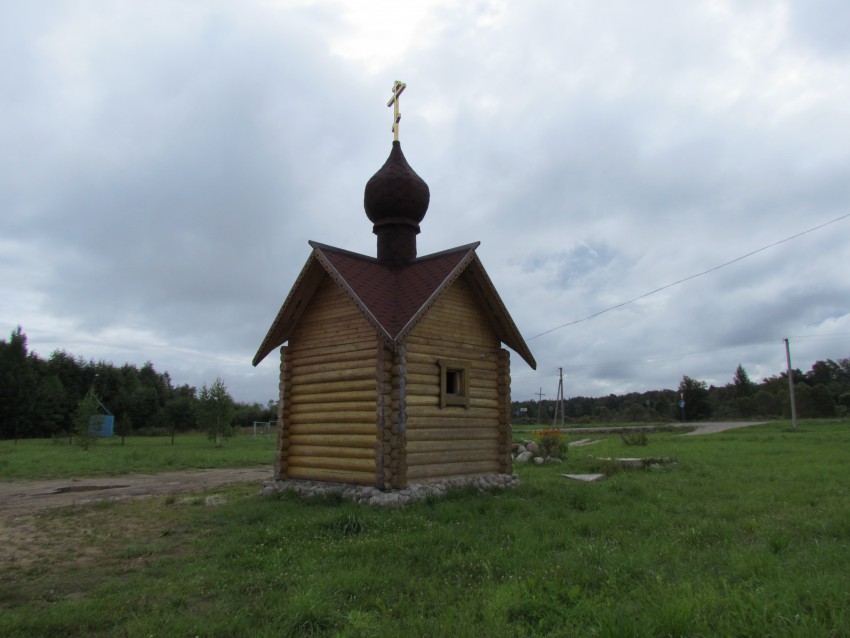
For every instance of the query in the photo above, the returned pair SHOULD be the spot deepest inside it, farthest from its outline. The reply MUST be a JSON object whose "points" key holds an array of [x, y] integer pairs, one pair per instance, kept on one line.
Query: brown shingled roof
{"points": [[393, 298]]}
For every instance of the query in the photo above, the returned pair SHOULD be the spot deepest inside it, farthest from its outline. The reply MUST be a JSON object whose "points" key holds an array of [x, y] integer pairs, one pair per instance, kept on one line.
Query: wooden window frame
{"points": [[459, 399]]}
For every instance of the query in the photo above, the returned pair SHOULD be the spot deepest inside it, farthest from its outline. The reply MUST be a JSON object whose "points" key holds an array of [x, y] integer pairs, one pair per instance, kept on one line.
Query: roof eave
{"points": [[501, 319], [290, 311]]}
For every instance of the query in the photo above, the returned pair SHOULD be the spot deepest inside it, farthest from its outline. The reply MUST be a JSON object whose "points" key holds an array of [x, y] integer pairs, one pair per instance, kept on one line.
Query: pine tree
{"points": [[84, 421], [215, 411]]}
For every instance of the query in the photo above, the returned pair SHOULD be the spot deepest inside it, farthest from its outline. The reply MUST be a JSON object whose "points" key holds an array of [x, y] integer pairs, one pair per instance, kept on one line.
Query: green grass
{"points": [[748, 535], [46, 458]]}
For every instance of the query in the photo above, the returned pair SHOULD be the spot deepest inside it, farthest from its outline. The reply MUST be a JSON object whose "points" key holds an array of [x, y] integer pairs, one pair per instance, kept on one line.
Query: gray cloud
{"points": [[162, 168]]}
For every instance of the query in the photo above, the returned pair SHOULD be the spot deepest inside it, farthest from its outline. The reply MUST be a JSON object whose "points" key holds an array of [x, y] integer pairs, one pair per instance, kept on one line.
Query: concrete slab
{"points": [[587, 478], [584, 442]]}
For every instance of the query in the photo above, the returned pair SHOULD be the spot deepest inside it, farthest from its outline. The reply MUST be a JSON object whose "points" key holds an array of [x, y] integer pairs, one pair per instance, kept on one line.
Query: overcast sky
{"points": [[163, 165]]}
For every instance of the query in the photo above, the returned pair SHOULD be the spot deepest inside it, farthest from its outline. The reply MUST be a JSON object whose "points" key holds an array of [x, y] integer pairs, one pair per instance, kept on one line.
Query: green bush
{"points": [[635, 438]]}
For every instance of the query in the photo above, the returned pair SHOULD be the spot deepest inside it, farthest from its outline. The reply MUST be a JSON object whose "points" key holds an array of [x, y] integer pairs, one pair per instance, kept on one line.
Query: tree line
{"points": [[40, 397], [822, 392]]}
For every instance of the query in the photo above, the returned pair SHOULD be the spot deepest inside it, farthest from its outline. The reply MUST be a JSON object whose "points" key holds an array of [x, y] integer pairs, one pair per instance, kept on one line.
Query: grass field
{"points": [[748, 535], [54, 458]]}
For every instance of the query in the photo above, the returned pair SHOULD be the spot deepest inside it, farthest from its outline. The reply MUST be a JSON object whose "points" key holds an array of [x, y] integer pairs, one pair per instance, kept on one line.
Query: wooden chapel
{"points": [[392, 369]]}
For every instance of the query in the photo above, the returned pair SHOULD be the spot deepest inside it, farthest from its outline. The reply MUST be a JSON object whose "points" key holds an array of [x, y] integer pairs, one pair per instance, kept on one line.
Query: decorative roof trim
{"points": [[350, 253]]}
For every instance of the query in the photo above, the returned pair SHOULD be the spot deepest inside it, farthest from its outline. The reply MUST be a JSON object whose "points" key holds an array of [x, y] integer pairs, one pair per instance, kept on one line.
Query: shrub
{"points": [[635, 438], [552, 442]]}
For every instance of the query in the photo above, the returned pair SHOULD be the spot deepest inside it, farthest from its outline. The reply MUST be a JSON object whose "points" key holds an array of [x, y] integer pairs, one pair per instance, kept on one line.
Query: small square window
{"points": [[454, 384]]}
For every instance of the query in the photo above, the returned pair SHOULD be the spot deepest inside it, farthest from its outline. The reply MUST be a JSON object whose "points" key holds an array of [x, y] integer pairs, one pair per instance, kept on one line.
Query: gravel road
{"points": [[23, 497]]}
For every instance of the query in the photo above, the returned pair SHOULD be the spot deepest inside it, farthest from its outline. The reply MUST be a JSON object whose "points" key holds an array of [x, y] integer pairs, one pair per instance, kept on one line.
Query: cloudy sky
{"points": [[163, 164]]}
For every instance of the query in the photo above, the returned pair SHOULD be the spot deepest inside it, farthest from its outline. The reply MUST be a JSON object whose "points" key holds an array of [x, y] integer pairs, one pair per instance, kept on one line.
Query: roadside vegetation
{"points": [[747, 534], [821, 393]]}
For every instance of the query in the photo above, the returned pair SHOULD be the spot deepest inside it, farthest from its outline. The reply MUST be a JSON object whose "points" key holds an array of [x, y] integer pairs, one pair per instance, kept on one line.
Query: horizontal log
{"points": [[328, 299], [454, 456], [307, 353], [318, 356], [414, 446], [428, 363], [414, 357], [479, 397], [362, 360], [457, 328], [319, 337], [441, 470], [334, 440], [299, 389], [334, 452], [360, 396], [480, 380], [335, 476], [330, 404], [452, 418], [332, 463], [424, 389], [418, 399], [365, 417], [349, 328], [340, 373], [475, 402], [421, 379], [458, 306], [332, 310], [333, 428], [458, 413], [442, 339], [428, 369], [447, 434], [448, 348], [483, 393]]}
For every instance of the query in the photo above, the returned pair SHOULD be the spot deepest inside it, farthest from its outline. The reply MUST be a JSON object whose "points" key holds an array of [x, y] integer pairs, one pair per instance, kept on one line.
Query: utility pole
{"points": [[791, 385], [559, 398], [540, 396]]}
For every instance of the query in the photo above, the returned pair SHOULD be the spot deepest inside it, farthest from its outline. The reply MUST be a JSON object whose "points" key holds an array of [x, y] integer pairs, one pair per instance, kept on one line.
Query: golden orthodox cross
{"points": [[398, 87]]}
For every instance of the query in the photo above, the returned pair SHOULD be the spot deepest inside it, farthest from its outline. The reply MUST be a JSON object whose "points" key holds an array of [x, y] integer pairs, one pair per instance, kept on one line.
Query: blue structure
{"points": [[101, 424]]}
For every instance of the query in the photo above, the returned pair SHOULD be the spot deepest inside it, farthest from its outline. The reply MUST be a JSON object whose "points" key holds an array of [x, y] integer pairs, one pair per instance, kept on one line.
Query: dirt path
{"points": [[24, 497], [712, 428]]}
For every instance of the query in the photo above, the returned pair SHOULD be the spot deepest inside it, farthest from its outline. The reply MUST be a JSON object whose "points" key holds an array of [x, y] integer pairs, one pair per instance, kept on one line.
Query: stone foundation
{"points": [[368, 495]]}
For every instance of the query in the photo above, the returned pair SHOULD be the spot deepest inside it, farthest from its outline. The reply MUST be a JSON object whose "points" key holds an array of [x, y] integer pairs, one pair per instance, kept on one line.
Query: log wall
{"points": [[283, 409], [330, 405], [456, 440]]}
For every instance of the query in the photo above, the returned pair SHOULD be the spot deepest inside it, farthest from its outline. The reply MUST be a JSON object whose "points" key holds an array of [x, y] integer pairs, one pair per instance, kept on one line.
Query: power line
{"points": [[699, 274]]}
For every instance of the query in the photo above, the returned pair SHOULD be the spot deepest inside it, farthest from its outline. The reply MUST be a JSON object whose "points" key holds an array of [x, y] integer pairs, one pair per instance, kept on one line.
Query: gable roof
{"points": [[393, 298]]}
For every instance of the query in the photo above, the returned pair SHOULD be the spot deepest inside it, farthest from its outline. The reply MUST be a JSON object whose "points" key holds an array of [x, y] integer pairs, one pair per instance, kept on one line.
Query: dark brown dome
{"points": [[396, 194]]}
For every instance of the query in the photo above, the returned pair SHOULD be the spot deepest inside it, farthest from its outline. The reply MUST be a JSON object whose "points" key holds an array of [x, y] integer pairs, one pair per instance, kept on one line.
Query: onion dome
{"points": [[396, 200]]}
